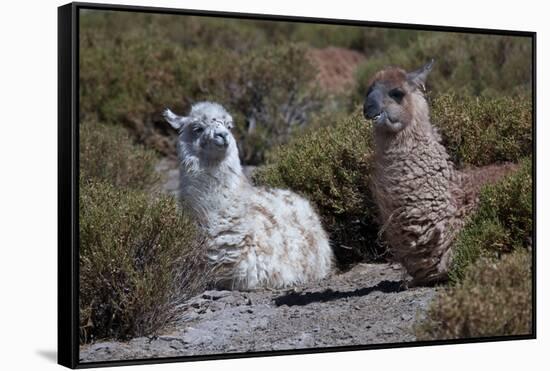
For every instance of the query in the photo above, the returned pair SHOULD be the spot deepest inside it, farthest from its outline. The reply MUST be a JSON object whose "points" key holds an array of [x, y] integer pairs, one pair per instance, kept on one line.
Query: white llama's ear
{"points": [[420, 76], [174, 120]]}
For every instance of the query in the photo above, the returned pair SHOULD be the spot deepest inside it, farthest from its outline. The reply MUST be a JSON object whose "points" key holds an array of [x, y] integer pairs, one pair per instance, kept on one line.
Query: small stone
{"points": [[387, 331], [216, 295], [167, 338]]}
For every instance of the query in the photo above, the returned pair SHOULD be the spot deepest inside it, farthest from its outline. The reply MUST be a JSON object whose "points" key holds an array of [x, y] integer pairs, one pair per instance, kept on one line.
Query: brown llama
{"points": [[422, 199]]}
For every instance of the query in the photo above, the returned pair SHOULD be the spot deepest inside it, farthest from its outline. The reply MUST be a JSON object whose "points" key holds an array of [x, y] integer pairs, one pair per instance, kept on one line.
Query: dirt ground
{"points": [[366, 305]]}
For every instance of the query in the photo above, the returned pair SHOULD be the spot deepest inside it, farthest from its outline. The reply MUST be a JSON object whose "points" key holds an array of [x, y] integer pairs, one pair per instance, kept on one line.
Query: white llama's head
{"points": [[395, 99], [205, 133]]}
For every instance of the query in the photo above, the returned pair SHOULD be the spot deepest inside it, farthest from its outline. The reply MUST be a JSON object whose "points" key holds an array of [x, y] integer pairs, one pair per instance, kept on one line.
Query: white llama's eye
{"points": [[198, 129]]}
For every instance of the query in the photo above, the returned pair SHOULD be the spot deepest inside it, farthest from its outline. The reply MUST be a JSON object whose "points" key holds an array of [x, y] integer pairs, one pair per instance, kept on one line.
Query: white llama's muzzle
{"points": [[221, 139]]}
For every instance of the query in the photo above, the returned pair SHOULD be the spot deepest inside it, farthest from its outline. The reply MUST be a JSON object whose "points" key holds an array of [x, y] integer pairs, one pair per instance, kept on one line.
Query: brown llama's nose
{"points": [[371, 110], [372, 105]]}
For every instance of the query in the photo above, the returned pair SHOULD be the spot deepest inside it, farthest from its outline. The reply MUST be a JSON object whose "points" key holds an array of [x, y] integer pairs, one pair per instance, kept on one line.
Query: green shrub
{"points": [[369, 40], [468, 64], [108, 154], [331, 167], [494, 299], [127, 80], [377, 41], [278, 98], [243, 35], [322, 35], [185, 31], [503, 222], [128, 76], [138, 258], [481, 131], [270, 92]]}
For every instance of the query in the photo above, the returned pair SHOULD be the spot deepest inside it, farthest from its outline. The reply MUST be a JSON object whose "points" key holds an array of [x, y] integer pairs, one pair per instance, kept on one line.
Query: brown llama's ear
{"points": [[420, 76]]}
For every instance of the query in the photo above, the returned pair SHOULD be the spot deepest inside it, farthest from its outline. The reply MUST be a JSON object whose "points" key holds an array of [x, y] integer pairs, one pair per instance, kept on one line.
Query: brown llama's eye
{"points": [[397, 95]]}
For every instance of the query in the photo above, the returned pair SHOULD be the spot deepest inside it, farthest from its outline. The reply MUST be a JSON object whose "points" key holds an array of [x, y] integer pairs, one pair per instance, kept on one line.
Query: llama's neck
{"points": [[418, 132], [208, 187], [418, 140]]}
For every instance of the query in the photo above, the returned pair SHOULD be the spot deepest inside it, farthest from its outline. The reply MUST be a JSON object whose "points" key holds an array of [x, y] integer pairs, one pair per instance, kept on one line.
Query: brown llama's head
{"points": [[395, 98]]}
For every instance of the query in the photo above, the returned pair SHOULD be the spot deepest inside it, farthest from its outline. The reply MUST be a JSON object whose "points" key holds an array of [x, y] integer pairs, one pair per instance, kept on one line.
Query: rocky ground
{"points": [[366, 305]]}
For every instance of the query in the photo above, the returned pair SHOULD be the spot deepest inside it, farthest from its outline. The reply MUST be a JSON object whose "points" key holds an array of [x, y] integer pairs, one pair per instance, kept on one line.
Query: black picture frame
{"points": [[68, 173]]}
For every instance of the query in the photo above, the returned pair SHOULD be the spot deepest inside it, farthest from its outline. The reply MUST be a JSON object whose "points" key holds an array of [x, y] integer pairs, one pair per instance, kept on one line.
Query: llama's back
{"points": [[473, 179], [280, 242]]}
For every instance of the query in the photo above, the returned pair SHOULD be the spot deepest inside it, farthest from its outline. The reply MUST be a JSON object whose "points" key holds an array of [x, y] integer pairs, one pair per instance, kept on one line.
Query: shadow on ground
{"points": [[330, 295]]}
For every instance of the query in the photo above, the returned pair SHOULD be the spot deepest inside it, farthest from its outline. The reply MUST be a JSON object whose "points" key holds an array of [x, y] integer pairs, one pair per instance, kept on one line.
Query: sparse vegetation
{"points": [[482, 131], [139, 254], [479, 65], [138, 257], [494, 299], [108, 154], [503, 222], [132, 77]]}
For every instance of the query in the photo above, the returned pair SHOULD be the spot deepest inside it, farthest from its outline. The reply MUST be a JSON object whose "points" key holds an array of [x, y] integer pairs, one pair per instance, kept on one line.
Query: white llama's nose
{"points": [[221, 138]]}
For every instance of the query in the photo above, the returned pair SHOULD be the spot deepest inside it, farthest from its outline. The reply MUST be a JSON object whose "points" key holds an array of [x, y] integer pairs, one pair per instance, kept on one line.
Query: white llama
{"points": [[256, 237]]}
